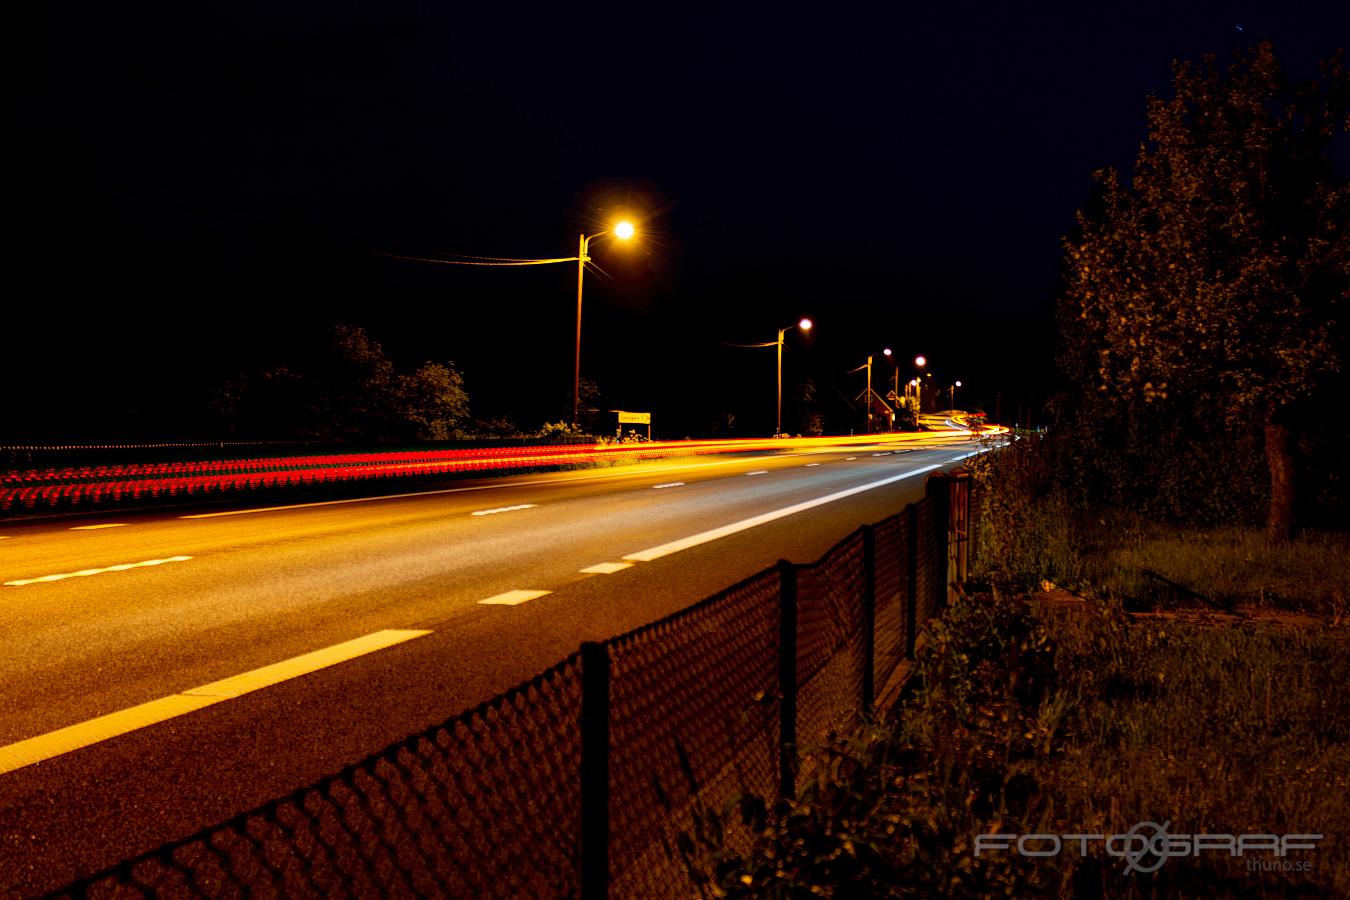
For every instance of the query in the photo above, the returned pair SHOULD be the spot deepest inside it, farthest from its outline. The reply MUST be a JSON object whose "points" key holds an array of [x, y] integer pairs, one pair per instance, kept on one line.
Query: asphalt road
{"points": [[98, 616]]}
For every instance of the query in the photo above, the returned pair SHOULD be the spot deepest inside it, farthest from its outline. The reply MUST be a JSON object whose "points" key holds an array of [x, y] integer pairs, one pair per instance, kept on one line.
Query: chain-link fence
{"points": [[581, 781]]}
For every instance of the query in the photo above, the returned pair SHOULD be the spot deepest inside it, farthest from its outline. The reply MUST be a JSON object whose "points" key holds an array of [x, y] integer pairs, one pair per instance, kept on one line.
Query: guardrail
{"points": [[580, 781], [107, 486]]}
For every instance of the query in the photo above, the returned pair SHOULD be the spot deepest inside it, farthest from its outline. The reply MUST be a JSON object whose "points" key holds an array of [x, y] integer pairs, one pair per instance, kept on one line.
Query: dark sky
{"points": [[200, 188]]}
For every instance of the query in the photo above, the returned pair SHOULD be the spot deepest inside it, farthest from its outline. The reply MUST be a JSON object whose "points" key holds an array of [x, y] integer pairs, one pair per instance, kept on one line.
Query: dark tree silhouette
{"points": [[346, 389], [1202, 296]]}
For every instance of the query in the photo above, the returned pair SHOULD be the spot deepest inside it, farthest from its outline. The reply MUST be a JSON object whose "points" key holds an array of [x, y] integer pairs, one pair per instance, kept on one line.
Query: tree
{"points": [[345, 388], [1202, 296], [432, 402], [354, 393]]}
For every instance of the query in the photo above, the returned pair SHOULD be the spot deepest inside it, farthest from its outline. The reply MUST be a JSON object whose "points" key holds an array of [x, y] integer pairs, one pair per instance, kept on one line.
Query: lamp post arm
{"points": [[484, 261]]}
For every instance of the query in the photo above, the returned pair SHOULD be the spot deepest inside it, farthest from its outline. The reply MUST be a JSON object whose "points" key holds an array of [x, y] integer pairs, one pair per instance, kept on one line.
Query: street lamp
{"points": [[804, 325], [623, 231], [869, 393], [952, 402], [895, 394], [919, 363]]}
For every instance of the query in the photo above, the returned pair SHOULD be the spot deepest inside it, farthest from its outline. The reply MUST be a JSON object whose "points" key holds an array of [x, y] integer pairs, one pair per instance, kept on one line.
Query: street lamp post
{"points": [[919, 363], [869, 394], [895, 394], [804, 325], [623, 231]]}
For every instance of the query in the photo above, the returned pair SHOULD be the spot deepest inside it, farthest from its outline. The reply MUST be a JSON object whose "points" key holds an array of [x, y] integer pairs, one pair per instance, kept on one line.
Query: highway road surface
{"points": [[163, 671]]}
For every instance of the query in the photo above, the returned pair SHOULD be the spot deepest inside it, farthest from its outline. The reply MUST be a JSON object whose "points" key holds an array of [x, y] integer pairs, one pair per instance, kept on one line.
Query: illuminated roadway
{"points": [[158, 613]]}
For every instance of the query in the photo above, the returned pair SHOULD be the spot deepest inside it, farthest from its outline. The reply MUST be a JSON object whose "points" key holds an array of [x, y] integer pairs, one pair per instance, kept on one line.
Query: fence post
{"points": [[869, 615], [961, 524], [912, 589], [594, 770], [940, 493], [787, 680]]}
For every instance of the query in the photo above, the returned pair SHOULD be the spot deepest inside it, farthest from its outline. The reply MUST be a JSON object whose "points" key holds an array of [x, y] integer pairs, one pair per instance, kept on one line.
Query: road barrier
{"points": [[580, 782], [119, 485]]}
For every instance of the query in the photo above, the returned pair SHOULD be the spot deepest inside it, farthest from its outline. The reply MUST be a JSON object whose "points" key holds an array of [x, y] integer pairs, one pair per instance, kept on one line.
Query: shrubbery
{"points": [[1048, 718]]}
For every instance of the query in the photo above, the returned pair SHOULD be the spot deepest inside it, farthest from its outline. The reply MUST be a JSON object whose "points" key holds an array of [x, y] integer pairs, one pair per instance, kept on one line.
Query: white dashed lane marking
{"points": [[668, 484], [513, 598], [121, 567], [606, 568], [502, 509]]}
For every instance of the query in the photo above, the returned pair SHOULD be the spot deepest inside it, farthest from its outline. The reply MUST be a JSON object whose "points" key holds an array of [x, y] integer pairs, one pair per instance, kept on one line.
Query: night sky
{"points": [[193, 193]]}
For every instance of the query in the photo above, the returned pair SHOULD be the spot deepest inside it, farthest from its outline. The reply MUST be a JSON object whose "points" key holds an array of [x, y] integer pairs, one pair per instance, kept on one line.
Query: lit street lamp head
{"points": [[804, 324], [887, 351], [623, 230], [921, 361]]}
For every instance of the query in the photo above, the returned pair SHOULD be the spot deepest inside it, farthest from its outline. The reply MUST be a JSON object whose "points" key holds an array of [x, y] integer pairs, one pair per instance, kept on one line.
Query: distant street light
{"points": [[953, 399], [895, 394], [623, 231], [869, 393], [919, 362], [804, 325]]}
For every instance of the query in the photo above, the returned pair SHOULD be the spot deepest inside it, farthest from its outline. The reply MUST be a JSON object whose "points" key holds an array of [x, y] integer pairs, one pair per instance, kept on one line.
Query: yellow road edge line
{"points": [[83, 734], [74, 737], [97, 527], [238, 685], [512, 598]]}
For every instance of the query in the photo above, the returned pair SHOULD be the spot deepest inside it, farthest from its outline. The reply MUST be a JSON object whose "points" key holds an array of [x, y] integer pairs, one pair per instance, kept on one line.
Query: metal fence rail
{"points": [[581, 781]]}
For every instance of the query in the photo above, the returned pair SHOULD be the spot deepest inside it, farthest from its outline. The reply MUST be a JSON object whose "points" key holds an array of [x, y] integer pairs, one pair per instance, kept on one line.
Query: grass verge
{"points": [[1034, 717]]}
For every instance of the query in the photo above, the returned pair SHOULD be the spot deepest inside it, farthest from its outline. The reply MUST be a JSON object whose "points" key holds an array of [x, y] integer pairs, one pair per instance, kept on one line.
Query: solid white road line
{"points": [[606, 568], [764, 518], [513, 598], [493, 512], [64, 740], [121, 567], [971, 453], [96, 527]]}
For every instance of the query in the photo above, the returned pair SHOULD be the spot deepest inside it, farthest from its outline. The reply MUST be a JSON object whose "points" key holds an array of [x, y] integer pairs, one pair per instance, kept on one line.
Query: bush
{"points": [[1024, 523], [1052, 718]]}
